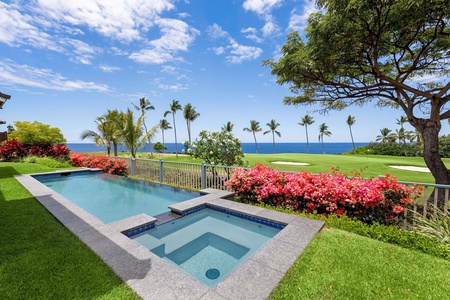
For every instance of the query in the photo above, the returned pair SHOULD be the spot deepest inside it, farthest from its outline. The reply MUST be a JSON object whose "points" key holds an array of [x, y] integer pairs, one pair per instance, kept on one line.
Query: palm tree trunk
{"points": [[274, 146], [323, 148], [404, 147], [175, 131], [149, 140], [188, 125], [256, 143], [353, 143], [115, 148], [307, 139]]}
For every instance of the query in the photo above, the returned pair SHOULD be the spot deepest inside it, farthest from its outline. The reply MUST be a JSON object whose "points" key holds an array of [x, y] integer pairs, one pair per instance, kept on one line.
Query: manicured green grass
{"points": [[342, 265], [40, 258], [369, 166]]}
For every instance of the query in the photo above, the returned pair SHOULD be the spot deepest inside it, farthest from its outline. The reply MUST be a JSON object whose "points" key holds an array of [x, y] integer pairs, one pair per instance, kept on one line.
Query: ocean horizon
{"points": [[248, 148]]}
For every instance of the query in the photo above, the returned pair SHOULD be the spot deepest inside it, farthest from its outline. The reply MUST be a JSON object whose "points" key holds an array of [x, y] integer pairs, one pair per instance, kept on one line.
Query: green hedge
{"points": [[388, 234]]}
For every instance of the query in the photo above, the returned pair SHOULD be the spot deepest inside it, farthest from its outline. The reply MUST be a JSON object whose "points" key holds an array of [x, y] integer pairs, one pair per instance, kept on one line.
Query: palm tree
{"points": [[272, 128], [350, 121], [307, 120], [384, 136], [143, 106], [323, 131], [228, 127], [164, 125], [101, 137], [130, 131], [190, 115], [174, 106], [254, 127], [115, 138]]}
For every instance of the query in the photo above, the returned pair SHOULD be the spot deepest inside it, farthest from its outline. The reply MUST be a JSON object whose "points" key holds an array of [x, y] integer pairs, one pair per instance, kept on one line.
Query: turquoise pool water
{"points": [[111, 198], [207, 244]]}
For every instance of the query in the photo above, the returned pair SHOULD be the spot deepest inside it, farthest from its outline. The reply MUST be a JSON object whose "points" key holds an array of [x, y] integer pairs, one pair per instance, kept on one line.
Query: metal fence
{"points": [[202, 176], [189, 175]]}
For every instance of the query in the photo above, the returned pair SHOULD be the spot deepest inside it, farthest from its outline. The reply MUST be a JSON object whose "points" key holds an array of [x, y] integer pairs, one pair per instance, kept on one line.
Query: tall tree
{"points": [[273, 128], [350, 122], [113, 130], [254, 128], [131, 131], [384, 136], [174, 106], [228, 127], [306, 120], [363, 50], [403, 134], [102, 136], [190, 114], [323, 131], [164, 125], [143, 107]]}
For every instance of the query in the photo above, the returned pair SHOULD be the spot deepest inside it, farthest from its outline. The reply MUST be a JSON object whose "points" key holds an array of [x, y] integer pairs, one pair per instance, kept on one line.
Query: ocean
{"points": [[263, 148]]}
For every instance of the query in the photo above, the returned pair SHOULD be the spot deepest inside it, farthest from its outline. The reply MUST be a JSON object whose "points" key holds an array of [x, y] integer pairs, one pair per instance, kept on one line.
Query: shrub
{"points": [[47, 161], [387, 234], [394, 149], [436, 225], [377, 200], [108, 164], [55, 151], [12, 149], [159, 147]]}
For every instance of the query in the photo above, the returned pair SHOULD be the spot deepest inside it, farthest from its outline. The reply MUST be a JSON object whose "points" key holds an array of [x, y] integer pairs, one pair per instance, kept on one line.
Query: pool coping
{"points": [[152, 277]]}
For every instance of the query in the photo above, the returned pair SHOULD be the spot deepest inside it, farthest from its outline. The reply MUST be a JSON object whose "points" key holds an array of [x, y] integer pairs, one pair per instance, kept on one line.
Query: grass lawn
{"points": [[371, 165], [41, 259]]}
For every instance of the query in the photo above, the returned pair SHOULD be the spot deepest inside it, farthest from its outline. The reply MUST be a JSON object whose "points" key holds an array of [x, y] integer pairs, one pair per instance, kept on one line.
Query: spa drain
{"points": [[212, 273]]}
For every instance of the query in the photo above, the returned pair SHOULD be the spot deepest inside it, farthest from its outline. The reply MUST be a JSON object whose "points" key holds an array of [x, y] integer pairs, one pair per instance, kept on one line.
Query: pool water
{"points": [[207, 244], [111, 198]]}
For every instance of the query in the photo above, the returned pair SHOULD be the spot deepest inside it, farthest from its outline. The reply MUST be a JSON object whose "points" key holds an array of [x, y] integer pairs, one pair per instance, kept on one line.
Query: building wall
{"points": [[3, 136]]}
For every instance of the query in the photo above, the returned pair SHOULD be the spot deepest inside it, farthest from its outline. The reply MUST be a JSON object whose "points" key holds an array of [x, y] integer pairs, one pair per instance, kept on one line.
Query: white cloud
{"points": [[252, 34], [240, 53], [12, 73], [176, 37], [173, 87], [216, 32], [120, 19], [16, 29], [264, 8], [184, 15], [108, 69], [219, 50], [298, 21], [261, 6], [82, 52]]}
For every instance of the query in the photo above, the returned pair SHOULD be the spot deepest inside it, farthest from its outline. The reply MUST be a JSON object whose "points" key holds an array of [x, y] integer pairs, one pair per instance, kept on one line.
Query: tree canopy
{"points": [[394, 53], [36, 133]]}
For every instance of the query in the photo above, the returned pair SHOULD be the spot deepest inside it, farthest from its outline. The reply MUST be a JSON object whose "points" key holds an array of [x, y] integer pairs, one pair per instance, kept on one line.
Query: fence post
{"points": [[161, 173], [203, 175], [132, 166]]}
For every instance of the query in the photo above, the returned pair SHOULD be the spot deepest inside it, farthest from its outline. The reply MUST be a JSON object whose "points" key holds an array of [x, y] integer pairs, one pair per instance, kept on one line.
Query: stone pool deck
{"points": [[152, 277]]}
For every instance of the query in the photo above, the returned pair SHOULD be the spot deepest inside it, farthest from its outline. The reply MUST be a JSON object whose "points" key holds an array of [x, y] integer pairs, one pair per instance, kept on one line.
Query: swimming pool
{"points": [[112, 198], [208, 244]]}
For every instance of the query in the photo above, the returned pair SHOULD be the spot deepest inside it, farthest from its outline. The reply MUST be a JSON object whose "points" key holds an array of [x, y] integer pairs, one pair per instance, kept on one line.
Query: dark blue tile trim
{"points": [[60, 174], [138, 230]]}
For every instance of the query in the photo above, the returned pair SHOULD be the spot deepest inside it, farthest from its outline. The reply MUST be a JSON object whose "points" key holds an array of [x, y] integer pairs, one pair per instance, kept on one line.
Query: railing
{"points": [[190, 175], [202, 176]]}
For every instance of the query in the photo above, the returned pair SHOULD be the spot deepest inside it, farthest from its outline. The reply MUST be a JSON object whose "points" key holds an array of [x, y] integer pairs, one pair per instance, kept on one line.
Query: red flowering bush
{"points": [[12, 149], [375, 200], [108, 164], [55, 151]]}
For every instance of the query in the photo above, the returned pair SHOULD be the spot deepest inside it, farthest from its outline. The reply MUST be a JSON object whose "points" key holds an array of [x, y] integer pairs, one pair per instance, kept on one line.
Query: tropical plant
{"points": [[254, 128], [350, 122], [384, 136], [190, 114], [228, 127], [174, 106], [164, 125], [102, 136], [143, 107], [362, 51], [218, 148], [402, 135], [273, 128], [108, 164], [306, 120], [36, 133], [131, 132], [159, 147], [323, 131], [436, 225]]}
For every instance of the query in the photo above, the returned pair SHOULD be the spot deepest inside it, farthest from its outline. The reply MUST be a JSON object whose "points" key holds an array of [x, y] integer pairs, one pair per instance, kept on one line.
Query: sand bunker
{"points": [[412, 168], [290, 163]]}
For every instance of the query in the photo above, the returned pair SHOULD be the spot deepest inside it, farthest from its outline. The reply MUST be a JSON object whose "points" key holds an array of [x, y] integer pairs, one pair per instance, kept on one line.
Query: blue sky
{"points": [[66, 63]]}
